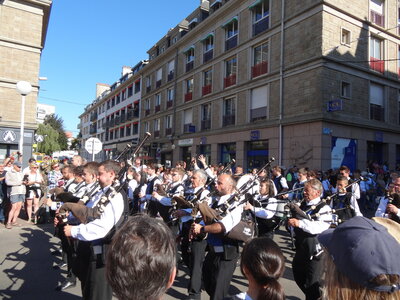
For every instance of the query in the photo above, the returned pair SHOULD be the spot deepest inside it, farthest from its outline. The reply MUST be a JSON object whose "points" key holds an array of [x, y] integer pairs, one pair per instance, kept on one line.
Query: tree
{"points": [[50, 139], [75, 144], [57, 123]]}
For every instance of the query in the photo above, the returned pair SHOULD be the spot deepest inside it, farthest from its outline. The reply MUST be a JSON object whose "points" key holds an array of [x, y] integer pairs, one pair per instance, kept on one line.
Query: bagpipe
{"points": [[180, 202], [87, 214], [394, 199], [244, 230]]}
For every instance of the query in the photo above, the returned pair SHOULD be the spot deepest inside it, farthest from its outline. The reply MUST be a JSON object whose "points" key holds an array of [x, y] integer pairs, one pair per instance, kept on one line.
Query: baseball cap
{"points": [[18, 164], [362, 249]]}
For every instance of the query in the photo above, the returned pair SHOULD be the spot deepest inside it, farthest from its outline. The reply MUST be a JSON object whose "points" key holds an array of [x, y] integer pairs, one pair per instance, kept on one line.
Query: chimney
{"points": [[100, 88], [126, 70]]}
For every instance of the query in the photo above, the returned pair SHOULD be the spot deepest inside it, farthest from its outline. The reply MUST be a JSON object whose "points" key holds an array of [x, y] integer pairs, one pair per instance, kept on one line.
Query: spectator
{"points": [[141, 259], [33, 191], [3, 193], [363, 261], [262, 263], [15, 181]]}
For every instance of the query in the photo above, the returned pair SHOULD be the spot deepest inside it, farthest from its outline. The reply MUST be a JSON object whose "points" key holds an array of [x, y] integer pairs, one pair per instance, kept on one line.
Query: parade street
{"points": [[27, 267]]}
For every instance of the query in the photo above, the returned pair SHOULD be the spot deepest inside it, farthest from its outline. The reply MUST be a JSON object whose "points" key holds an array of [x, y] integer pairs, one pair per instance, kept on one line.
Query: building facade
{"points": [[44, 110], [23, 27], [311, 83]]}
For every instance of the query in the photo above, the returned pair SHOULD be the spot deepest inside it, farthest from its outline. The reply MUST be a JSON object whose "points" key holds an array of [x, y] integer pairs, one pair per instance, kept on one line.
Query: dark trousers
{"points": [[185, 244], [68, 254], [197, 254], [218, 274], [307, 274], [96, 286]]}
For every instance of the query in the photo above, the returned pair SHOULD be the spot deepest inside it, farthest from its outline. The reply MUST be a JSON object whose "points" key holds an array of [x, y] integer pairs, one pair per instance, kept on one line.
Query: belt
{"points": [[216, 249]]}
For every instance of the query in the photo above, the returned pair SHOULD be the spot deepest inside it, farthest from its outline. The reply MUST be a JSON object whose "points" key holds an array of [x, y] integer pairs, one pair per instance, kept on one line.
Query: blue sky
{"points": [[89, 41]]}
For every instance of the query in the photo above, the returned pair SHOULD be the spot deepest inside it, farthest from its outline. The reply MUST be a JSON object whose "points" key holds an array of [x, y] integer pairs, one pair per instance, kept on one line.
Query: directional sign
{"points": [[93, 145], [39, 138]]}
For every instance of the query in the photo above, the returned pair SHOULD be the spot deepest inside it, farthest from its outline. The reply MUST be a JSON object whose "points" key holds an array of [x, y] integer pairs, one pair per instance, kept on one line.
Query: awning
{"points": [[215, 2], [235, 18], [188, 49], [207, 36], [255, 3]]}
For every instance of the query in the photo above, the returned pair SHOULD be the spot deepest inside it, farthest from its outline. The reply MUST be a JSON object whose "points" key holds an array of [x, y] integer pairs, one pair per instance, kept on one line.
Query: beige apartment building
{"points": [[311, 83], [23, 28]]}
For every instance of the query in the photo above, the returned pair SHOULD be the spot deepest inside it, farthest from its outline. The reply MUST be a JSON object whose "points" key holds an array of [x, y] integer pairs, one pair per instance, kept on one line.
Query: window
{"points": [[130, 90], [158, 77], [208, 45], [259, 103], [148, 84], [156, 127], [398, 60], [189, 58], [137, 86], [128, 130], [377, 9], [207, 82], [170, 94], [228, 117], [168, 125], [376, 102], [146, 127], [260, 10], [187, 121], [215, 5], [147, 107], [260, 60], [376, 59], [189, 89], [230, 72], [231, 33], [345, 89], [123, 95], [171, 68], [112, 102], [157, 103], [122, 132], [206, 116], [117, 99], [135, 129], [345, 38]]}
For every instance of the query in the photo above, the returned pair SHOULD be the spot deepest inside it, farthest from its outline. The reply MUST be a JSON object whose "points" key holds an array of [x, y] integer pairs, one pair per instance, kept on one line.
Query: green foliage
{"points": [[57, 124], [75, 145], [50, 139]]}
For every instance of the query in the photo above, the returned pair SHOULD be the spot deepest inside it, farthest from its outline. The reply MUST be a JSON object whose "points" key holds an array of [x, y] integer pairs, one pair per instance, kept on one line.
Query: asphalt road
{"points": [[26, 266]]}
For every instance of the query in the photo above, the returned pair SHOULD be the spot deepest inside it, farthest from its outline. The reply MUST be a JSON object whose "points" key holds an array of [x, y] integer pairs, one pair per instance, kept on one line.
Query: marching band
{"points": [[212, 215]]}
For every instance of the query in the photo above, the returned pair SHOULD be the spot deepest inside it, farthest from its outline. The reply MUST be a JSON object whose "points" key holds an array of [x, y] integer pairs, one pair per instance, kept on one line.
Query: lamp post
{"points": [[24, 88]]}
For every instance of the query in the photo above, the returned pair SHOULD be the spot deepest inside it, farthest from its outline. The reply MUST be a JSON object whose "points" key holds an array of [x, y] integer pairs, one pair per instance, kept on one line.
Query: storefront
{"points": [[9, 139]]}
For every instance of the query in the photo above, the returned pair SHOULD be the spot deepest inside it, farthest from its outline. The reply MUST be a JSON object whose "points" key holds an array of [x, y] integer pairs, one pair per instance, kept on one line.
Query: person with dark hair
{"points": [[152, 181], [363, 260], [97, 232], [262, 263], [141, 261]]}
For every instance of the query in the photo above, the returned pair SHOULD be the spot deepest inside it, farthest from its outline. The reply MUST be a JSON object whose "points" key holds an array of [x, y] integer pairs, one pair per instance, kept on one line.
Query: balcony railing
{"points": [[231, 42], [376, 112], [206, 89], [228, 120], [188, 96], [123, 118], [189, 128], [377, 64], [261, 26], [93, 130], [208, 55], [205, 124], [93, 117], [259, 69], [148, 89], [168, 131], [158, 83], [230, 80], [147, 112], [170, 76], [377, 18], [258, 113], [157, 108], [111, 123], [156, 133], [117, 120], [189, 66], [169, 103]]}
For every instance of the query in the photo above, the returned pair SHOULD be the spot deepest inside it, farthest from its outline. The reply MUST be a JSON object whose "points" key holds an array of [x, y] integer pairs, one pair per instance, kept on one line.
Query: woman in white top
{"points": [[262, 263], [33, 191]]}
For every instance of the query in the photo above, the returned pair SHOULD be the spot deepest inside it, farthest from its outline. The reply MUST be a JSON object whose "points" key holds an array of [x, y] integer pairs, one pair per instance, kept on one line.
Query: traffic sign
{"points": [[93, 145], [39, 138]]}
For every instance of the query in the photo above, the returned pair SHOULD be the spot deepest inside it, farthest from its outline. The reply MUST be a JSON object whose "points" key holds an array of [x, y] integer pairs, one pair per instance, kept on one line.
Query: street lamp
{"points": [[24, 88]]}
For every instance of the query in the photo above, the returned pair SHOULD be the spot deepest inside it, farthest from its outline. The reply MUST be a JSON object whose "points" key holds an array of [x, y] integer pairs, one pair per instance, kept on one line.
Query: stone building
{"points": [[311, 83], [23, 28]]}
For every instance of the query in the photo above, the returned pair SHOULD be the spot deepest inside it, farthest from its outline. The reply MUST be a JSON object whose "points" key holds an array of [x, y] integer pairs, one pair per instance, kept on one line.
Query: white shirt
{"points": [[323, 220], [203, 196], [269, 211], [99, 228], [353, 203], [132, 185], [166, 201], [233, 217]]}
